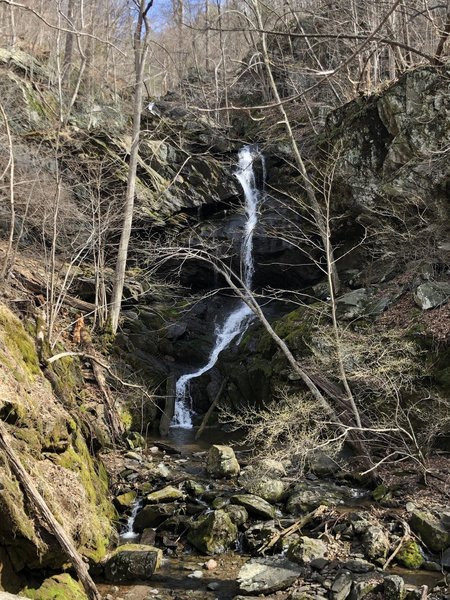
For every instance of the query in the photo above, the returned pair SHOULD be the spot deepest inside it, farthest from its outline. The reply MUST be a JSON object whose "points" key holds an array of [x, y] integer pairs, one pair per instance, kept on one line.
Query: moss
{"points": [[58, 587], [67, 378], [19, 344], [126, 418], [410, 555], [95, 539]]}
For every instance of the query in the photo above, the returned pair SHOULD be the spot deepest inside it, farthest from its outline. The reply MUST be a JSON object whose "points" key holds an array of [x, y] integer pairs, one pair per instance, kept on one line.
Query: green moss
{"points": [[94, 542], [19, 344], [58, 587], [410, 555]]}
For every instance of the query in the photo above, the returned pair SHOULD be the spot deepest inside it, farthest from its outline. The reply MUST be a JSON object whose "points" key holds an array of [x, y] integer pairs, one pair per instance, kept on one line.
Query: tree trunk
{"points": [[140, 55]]}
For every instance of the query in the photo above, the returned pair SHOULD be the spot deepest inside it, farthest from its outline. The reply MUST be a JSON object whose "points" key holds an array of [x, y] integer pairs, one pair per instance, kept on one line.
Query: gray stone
{"points": [[308, 495], [267, 575], [432, 294], [394, 587], [376, 544], [254, 505], [132, 562], [213, 533], [432, 531], [222, 462], [358, 565], [352, 305], [445, 560], [258, 534], [306, 549], [238, 514], [341, 587], [167, 494], [271, 490]]}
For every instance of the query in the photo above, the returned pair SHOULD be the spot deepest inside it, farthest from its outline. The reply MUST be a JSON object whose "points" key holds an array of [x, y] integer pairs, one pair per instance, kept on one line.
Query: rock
{"points": [[222, 462], [271, 490], [321, 465], [135, 440], [133, 456], [410, 555], [148, 537], [167, 494], [271, 467], [432, 294], [362, 588], [196, 575], [124, 501], [213, 586], [445, 560], [341, 587], [163, 471], [258, 534], [306, 549], [132, 562], [210, 564], [194, 488], [394, 588], [376, 544], [58, 586], [238, 514], [358, 565], [153, 515], [433, 532], [267, 575], [308, 495], [255, 505], [352, 305], [213, 533]]}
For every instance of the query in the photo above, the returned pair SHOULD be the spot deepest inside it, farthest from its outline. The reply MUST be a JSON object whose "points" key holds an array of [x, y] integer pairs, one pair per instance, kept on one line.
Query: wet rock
{"points": [[132, 562], [432, 531], [341, 587], [308, 495], [376, 543], [306, 549], [153, 515], [254, 505], [432, 294], [394, 587], [222, 462], [213, 586], [167, 494], [267, 575], [271, 490], [214, 533]]}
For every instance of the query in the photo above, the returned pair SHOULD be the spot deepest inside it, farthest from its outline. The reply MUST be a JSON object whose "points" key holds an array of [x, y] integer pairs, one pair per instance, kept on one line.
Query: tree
{"points": [[140, 55]]}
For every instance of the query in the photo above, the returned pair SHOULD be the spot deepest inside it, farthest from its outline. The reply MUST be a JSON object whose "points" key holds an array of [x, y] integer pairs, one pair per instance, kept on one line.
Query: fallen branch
{"points": [[293, 528], [43, 510]]}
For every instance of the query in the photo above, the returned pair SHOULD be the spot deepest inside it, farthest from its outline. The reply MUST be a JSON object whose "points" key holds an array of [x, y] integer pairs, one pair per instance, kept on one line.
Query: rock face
{"points": [[132, 562], [213, 533], [267, 575], [222, 462]]}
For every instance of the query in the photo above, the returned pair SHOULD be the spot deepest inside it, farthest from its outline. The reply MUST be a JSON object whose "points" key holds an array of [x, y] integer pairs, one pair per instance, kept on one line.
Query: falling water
{"points": [[128, 531], [237, 320]]}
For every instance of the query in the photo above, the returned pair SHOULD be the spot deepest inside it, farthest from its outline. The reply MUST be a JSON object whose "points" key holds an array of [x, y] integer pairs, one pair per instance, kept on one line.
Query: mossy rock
{"points": [[58, 587], [132, 562], [410, 555], [214, 533], [19, 345]]}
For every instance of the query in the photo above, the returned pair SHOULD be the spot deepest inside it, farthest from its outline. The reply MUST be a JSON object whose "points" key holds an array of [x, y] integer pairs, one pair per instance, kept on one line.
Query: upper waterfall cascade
{"points": [[238, 319]]}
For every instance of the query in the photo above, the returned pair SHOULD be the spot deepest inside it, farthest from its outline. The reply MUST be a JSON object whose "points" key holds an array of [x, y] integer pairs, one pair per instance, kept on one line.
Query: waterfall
{"points": [[128, 531], [237, 320]]}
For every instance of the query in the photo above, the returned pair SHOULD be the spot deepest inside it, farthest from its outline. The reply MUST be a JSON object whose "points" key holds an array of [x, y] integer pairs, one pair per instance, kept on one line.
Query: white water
{"points": [[128, 533], [236, 322]]}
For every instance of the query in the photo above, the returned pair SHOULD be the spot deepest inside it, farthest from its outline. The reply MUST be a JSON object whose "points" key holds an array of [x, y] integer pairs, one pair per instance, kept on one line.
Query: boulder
{"points": [[153, 515], [394, 587], [308, 495], [271, 490], [376, 544], [306, 549], [352, 305], [126, 500], [254, 505], [222, 462], [267, 575], [410, 555], [213, 533], [58, 586], [167, 494], [432, 531], [132, 562], [432, 294], [238, 514]]}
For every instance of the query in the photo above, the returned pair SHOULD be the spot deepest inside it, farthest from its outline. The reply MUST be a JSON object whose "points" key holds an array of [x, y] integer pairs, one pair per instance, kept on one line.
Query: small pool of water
{"points": [[184, 439]]}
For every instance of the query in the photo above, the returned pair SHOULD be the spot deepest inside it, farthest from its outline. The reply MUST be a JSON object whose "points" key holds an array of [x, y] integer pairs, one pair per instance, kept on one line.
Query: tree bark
{"points": [[140, 55]]}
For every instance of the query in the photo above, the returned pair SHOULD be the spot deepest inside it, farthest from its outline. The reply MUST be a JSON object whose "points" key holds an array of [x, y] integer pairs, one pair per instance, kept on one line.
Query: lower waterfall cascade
{"points": [[239, 318]]}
